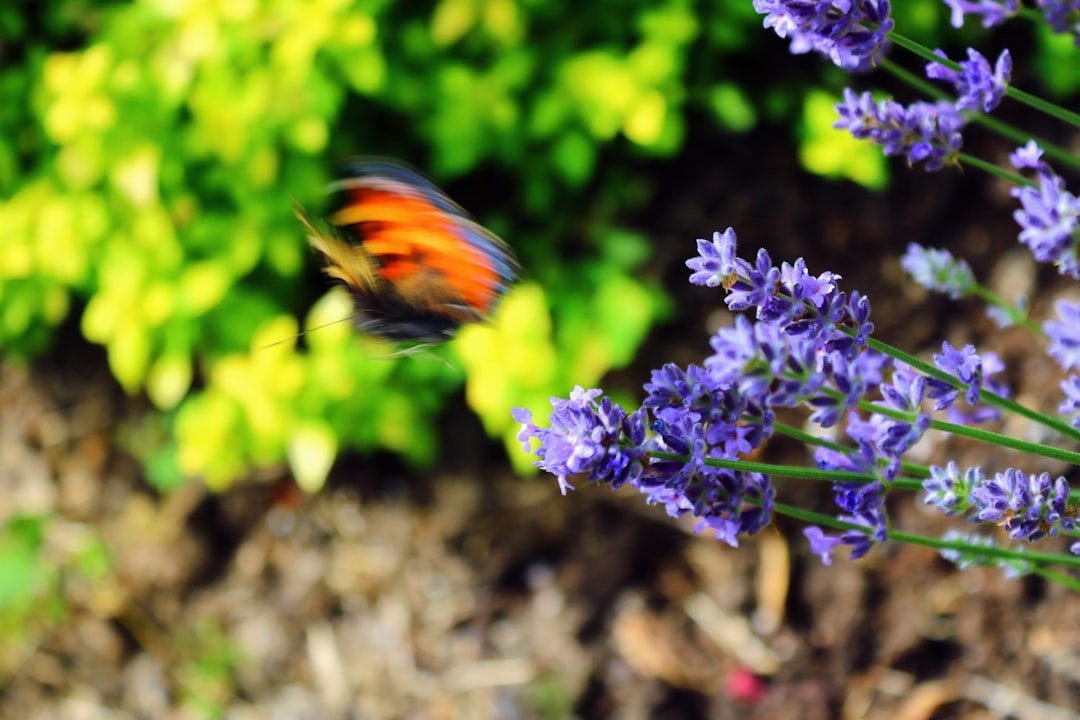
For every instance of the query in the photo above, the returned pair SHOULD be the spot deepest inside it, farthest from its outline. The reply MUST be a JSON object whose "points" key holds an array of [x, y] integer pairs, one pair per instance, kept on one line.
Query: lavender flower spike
{"points": [[716, 262], [1028, 156], [1030, 507], [1071, 404], [822, 544], [1064, 334], [1049, 216], [965, 364], [993, 12], [938, 270], [1063, 16], [587, 436], [949, 490], [851, 33], [923, 132], [977, 84]]}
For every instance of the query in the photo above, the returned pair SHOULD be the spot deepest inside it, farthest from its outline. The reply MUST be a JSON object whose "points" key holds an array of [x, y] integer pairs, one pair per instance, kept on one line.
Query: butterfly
{"points": [[417, 265]]}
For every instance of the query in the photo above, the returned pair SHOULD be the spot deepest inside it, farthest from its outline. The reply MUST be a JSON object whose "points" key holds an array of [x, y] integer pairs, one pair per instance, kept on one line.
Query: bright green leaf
{"points": [[312, 448], [835, 153]]}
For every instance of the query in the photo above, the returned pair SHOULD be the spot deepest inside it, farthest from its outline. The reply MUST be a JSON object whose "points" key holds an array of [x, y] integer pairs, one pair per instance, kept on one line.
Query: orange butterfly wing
{"points": [[418, 266]]}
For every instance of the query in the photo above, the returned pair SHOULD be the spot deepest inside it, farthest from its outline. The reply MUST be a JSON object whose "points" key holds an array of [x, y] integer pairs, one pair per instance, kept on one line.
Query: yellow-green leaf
{"points": [[312, 448]]}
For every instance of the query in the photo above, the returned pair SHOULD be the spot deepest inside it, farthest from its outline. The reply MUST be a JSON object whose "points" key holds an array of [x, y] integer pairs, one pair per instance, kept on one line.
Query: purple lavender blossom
{"points": [[757, 288], [1028, 156], [802, 351], [1030, 507], [799, 350], [865, 505], [870, 365], [922, 132], [949, 490], [749, 355], [897, 438], [938, 270], [771, 368], [847, 379], [674, 392], [1004, 316], [821, 543], [802, 286], [977, 84], [964, 364], [683, 401], [858, 312], [683, 435], [860, 503], [716, 496], [716, 261], [1063, 16], [979, 414], [851, 33], [725, 510], [696, 417], [886, 439], [806, 346], [993, 12], [862, 459], [1064, 335], [587, 436], [700, 419], [799, 303], [1049, 216], [1071, 404], [906, 390], [858, 114]]}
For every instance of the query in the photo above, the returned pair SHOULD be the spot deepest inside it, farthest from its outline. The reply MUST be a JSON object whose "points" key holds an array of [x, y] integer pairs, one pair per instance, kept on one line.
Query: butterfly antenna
{"points": [[416, 351], [304, 332]]}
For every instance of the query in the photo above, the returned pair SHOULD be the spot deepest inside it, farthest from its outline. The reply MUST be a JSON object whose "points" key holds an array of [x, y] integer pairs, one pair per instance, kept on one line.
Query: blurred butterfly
{"points": [[416, 264]]}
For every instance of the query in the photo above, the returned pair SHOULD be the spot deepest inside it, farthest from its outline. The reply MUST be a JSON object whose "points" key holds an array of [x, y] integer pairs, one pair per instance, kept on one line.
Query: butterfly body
{"points": [[415, 263]]}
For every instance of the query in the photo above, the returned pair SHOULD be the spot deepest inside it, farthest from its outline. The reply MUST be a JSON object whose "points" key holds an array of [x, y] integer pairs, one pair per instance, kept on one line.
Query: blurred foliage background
{"points": [[150, 152]]}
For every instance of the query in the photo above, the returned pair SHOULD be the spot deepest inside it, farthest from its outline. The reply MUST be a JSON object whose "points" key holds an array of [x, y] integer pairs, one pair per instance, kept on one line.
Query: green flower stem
{"points": [[992, 399], [1050, 109], [986, 436], [1039, 557], [991, 169], [1000, 127], [1054, 576], [1035, 557], [908, 468], [804, 437], [926, 87], [1031, 14], [1018, 316], [815, 518], [1051, 150], [793, 471], [913, 472]]}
